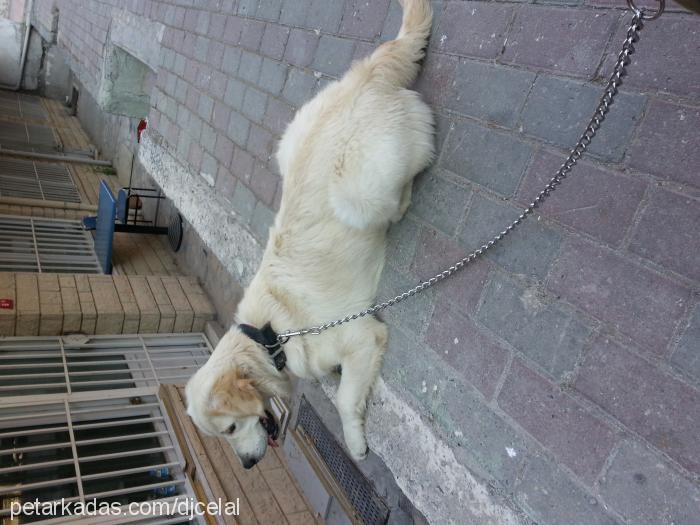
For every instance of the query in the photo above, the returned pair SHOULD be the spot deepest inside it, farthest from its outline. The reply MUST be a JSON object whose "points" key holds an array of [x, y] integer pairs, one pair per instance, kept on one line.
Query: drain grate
{"points": [[359, 491], [21, 106], [31, 134], [36, 180]]}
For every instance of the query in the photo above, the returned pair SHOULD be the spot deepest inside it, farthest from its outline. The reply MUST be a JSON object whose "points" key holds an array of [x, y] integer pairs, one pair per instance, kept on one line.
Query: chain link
{"points": [[606, 100]]}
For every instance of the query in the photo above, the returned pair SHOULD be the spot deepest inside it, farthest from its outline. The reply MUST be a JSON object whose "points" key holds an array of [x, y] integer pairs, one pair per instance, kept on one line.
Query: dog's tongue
{"points": [[271, 442]]}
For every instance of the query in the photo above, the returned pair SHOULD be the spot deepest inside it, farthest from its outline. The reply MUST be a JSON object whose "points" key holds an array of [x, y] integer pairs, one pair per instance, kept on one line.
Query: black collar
{"points": [[266, 337]]}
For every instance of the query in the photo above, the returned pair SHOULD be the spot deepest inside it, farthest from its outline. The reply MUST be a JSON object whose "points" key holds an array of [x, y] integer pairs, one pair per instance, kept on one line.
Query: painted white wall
{"points": [[11, 40]]}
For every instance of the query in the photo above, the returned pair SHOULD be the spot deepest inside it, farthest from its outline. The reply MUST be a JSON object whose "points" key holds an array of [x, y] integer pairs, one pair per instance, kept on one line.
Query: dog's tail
{"points": [[396, 61]]}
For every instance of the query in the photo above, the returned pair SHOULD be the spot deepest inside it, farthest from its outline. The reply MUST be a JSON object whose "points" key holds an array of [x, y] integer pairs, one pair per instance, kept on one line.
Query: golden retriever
{"points": [[347, 161]]}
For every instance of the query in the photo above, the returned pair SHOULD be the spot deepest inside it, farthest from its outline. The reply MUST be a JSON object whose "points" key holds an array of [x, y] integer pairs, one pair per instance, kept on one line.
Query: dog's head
{"points": [[227, 396]]}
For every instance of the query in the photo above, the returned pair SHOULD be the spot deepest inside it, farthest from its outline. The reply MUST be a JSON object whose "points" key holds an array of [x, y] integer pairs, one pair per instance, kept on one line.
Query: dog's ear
{"points": [[235, 393]]}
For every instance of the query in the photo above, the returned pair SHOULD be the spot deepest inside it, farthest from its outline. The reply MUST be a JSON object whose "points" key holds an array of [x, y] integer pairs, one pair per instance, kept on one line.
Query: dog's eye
{"points": [[231, 429]]}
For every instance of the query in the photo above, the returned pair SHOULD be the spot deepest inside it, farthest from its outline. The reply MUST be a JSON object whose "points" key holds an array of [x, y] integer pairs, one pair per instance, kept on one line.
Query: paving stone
{"points": [[260, 142], [609, 288], [251, 34], [221, 116], [563, 40], [659, 407], [231, 60], [205, 107], [238, 129], [558, 111], [160, 295], [539, 328], [50, 307], [274, 41], [272, 76], [402, 239], [110, 315], [686, 356], [435, 252], [242, 164], [249, 69], [217, 26], [262, 220], [489, 92], [299, 86], [672, 128], [482, 155], [209, 168], [529, 250], [437, 79], [667, 233], [234, 93], [592, 200], [362, 19], [132, 314], [472, 29], [324, 15], [550, 496], [264, 183], [660, 63], [247, 7], [277, 116], [564, 426], [244, 202], [184, 314], [412, 315], [295, 12], [202, 307], [333, 55], [476, 356], [223, 151], [254, 102], [439, 201], [269, 9], [301, 47], [646, 491]]}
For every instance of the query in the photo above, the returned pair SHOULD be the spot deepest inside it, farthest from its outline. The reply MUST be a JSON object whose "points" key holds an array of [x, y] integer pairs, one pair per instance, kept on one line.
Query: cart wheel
{"points": [[175, 232]]}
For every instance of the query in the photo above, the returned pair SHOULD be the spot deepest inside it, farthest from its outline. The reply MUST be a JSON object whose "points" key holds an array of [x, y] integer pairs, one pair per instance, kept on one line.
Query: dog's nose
{"points": [[249, 463]]}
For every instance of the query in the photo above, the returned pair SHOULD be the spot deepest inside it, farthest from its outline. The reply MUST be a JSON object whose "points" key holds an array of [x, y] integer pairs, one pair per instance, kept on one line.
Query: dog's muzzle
{"points": [[270, 425]]}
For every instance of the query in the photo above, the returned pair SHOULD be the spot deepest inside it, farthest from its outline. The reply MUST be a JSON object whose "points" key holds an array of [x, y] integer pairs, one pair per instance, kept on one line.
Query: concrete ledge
{"points": [[56, 304]]}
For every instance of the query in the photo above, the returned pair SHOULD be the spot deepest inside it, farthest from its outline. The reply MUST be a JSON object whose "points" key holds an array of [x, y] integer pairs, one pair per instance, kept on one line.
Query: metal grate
{"points": [[64, 365], [29, 244], [369, 506], [83, 447], [36, 180], [21, 106], [21, 132]]}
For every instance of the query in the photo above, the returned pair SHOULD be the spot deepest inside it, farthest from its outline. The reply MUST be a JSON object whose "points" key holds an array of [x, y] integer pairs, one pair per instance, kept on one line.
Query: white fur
{"points": [[347, 161]]}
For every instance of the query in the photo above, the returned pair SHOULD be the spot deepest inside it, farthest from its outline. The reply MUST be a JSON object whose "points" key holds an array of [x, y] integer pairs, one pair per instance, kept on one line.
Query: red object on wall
{"points": [[143, 124], [7, 304]]}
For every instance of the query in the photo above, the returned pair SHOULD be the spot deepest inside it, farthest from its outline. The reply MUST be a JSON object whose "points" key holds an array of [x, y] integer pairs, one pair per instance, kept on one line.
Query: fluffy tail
{"points": [[396, 61]]}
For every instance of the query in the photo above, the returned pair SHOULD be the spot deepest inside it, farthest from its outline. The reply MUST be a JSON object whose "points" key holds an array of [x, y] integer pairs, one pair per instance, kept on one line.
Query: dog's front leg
{"points": [[360, 369]]}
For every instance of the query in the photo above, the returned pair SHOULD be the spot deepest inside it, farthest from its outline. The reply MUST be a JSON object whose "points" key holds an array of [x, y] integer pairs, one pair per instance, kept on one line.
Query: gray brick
{"points": [[550, 496], [232, 60], [233, 30], [558, 421], [667, 233], [324, 15], [438, 78], [533, 324], [559, 39], [493, 159], [260, 142], [201, 48], [364, 19], [473, 29], [244, 202], [251, 34], [402, 240], [273, 41], [249, 69], [264, 183], [558, 110], [668, 127], [490, 92], [529, 250], [262, 220], [254, 102], [209, 168], [686, 356], [412, 315], [439, 201], [238, 129], [208, 137], [301, 47], [242, 165], [269, 9], [205, 106], [221, 115], [272, 76], [392, 22], [277, 116], [646, 491], [234, 93], [333, 55], [294, 12], [598, 202], [203, 23], [299, 86], [217, 26]]}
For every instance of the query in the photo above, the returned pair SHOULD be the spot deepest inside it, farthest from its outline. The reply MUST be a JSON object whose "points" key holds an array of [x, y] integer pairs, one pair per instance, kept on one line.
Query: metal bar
{"points": [[35, 466], [123, 437], [135, 470], [139, 488], [76, 461], [49, 430], [59, 158], [115, 408], [121, 422], [33, 448], [22, 487], [127, 454]]}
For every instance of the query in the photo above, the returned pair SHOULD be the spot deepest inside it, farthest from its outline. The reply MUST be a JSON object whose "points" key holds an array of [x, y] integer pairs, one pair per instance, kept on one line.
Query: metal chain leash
{"points": [[623, 59]]}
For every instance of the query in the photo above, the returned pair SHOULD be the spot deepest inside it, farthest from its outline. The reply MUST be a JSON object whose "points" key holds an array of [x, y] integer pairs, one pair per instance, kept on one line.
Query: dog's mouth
{"points": [[270, 426]]}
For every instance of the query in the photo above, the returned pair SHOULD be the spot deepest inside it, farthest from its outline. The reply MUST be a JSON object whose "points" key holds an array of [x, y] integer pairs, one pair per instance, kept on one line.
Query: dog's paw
{"points": [[357, 445]]}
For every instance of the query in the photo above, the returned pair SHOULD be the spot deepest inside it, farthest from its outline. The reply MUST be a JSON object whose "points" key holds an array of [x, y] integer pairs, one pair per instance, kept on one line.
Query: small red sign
{"points": [[7, 304]]}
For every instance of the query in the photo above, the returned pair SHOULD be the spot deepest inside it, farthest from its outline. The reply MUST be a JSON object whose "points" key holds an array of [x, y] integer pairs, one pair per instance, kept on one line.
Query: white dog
{"points": [[347, 161]]}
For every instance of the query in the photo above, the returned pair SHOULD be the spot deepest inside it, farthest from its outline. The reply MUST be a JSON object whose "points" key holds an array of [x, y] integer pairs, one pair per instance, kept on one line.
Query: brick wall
{"points": [[56, 304], [563, 368]]}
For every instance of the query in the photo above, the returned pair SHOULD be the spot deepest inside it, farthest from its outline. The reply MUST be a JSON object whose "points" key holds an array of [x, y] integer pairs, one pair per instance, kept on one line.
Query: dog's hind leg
{"points": [[361, 365]]}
